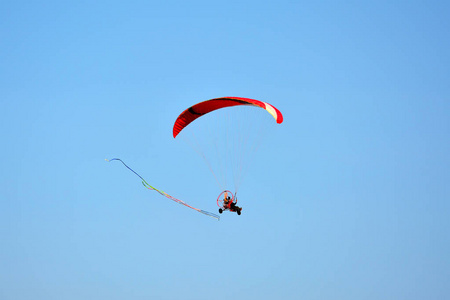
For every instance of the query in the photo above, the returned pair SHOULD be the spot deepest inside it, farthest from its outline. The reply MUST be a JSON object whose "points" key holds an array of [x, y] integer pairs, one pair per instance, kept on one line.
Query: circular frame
{"points": [[221, 196]]}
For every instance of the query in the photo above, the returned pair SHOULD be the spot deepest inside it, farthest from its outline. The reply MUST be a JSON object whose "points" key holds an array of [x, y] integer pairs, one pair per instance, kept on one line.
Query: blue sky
{"points": [[353, 203]]}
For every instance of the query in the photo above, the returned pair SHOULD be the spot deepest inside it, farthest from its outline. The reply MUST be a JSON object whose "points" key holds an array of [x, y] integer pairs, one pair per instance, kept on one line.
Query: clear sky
{"points": [[349, 200]]}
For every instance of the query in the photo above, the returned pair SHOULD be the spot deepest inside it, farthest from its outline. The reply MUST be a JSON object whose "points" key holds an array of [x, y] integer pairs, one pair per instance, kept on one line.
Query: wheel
{"points": [[220, 210]]}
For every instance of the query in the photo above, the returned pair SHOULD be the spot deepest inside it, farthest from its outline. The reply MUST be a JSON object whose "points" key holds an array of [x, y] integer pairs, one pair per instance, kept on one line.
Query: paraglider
{"points": [[230, 139], [232, 136]]}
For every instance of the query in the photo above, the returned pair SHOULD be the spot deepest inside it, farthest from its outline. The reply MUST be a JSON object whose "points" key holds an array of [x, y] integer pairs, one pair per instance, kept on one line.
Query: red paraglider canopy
{"points": [[202, 108]]}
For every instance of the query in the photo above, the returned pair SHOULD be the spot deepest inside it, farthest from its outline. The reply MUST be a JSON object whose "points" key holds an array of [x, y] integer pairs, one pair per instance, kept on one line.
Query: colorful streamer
{"points": [[148, 186]]}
